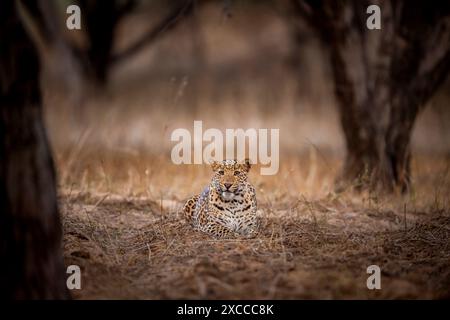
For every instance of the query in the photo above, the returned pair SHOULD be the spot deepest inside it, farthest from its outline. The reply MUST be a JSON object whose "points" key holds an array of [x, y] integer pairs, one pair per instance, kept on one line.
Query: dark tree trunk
{"points": [[31, 262], [383, 78], [100, 23], [101, 19]]}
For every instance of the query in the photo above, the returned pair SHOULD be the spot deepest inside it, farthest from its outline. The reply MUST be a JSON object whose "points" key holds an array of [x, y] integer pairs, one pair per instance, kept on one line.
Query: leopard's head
{"points": [[229, 177]]}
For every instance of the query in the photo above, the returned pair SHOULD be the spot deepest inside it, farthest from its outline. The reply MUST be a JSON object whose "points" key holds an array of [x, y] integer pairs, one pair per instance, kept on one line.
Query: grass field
{"points": [[122, 227]]}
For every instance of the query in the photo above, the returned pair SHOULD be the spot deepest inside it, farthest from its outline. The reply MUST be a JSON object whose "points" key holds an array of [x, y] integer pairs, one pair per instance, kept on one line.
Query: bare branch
{"points": [[168, 23], [125, 9]]}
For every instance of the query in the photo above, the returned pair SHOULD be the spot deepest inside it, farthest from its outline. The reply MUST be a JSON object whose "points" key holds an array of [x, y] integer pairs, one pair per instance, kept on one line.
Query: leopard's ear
{"points": [[247, 165], [214, 164]]}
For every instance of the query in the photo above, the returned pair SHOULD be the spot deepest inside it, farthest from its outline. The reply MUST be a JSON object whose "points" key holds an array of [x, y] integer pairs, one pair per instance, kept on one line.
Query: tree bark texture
{"points": [[31, 261]]}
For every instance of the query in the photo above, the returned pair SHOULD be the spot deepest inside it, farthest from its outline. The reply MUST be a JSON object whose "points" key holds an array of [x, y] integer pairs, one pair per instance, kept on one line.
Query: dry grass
{"points": [[128, 238]]}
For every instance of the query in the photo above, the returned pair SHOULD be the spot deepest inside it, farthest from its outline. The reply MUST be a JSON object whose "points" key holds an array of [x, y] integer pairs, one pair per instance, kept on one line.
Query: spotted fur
{"points": [[227, 207]]}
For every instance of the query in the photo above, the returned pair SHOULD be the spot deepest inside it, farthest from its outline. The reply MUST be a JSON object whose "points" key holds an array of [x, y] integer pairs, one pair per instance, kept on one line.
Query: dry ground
{"points": [[122, 227]]}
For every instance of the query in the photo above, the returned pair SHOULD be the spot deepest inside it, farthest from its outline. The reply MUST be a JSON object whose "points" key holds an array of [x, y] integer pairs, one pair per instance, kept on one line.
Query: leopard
{"points": [[227, 207]]}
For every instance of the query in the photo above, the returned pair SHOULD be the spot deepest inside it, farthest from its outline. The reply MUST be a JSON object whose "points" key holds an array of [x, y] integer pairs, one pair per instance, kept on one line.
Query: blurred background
{"points": [[230, 64]]}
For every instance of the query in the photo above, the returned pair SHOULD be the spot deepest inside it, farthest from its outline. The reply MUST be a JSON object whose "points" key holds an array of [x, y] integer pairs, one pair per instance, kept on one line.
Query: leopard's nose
{"points": [[227, 185]]}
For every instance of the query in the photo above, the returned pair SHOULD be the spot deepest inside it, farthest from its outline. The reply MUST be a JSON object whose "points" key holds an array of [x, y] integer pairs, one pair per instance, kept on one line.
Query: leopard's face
{"points": [[230, 177]]}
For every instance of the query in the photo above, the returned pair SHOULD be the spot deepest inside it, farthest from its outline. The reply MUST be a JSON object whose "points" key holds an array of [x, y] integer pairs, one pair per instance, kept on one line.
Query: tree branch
{"points": [[168, 23]]}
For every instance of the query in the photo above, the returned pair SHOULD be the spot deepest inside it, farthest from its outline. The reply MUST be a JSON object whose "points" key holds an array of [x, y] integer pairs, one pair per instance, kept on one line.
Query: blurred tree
{"points": [[100, 20], [31, 261], [383, 79]]}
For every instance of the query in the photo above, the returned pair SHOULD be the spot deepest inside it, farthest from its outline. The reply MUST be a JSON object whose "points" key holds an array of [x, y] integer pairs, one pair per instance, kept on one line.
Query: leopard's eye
{"points": [[236, 173], [221, 172]]}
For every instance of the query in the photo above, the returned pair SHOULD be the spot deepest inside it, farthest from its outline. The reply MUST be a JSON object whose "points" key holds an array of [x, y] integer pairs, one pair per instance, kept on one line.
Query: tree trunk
{"points": [[101, 21], [383, 78], [31, 262]]}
